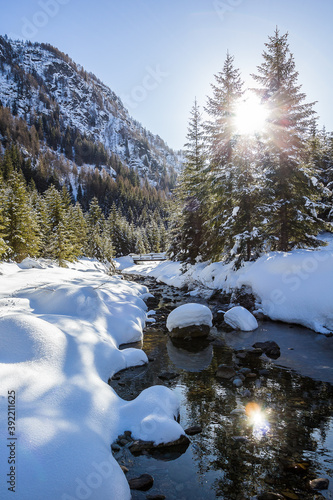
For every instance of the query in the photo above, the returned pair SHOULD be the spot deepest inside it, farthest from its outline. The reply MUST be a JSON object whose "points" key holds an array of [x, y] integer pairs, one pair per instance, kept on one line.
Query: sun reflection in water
{"points": [[258, 420]]}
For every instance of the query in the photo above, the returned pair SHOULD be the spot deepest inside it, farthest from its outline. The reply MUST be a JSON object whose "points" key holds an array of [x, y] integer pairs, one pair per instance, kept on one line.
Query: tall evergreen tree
{"points": [[292, 194], [188, 226], [21, 228], [99, 245], [222, 141]]}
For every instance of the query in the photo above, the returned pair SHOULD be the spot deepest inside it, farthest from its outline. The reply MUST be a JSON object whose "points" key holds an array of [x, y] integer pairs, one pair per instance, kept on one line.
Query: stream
{"points": [[236, 457]]}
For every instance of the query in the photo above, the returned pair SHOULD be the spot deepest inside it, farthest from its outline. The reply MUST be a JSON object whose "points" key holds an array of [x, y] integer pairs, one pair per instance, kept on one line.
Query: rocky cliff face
{"points": [[38, 79]]}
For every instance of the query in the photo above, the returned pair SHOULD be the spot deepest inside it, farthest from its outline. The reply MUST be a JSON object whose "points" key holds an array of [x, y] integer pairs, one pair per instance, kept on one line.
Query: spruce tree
{"points": [[59, 238], [292, 192], [99, 244], [21, 227], [4, 248], [221, 172], [191, 193]]}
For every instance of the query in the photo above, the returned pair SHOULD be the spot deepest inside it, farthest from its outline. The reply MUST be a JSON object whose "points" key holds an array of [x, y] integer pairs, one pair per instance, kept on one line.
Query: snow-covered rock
{"points": [[190, 320], [241, 319], [189, 315]]}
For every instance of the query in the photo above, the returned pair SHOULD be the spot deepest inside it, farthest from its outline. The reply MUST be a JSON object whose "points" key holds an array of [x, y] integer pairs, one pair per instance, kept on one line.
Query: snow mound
{"points": [[60, 331], [188, 315], [27, 338], [241, 319]]}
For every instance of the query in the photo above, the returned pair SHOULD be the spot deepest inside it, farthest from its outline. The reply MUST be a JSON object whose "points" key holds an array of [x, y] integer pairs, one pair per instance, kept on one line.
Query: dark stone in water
{"points": [[143, 482], [189, 332], [218, 317], [152, 302], [270, 348], [270, 496], [195, 429], [139, 446], [225, 371], [115, 447], [321, 483], [168, 375]]}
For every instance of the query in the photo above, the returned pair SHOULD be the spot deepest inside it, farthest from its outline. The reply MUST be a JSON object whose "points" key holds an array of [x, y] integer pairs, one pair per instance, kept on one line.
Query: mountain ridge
{"points": [[38, 79]]}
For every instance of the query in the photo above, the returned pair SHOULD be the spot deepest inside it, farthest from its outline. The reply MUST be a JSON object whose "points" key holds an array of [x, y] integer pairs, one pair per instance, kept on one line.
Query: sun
{"points": [[250, 116]]}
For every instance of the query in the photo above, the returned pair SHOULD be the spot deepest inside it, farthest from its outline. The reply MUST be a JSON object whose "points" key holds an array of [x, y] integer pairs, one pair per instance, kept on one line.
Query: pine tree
{"points": [[99, 244], [4, 248], [59, 235], [221, 173], [292, 195], [21, 225], [188, 227]]}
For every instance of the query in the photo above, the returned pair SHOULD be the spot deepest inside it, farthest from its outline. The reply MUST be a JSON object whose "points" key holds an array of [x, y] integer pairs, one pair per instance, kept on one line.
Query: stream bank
{"points": [[234, 457]]}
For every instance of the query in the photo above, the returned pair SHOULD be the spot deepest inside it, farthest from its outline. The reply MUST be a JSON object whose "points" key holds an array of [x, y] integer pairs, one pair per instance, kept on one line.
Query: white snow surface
{"points": [[241, 319], [60, 330], [188, 315], [294, 287]]}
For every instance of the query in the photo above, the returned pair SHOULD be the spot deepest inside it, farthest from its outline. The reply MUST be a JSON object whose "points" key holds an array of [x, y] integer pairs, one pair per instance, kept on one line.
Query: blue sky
{"points": [[159, 54]]}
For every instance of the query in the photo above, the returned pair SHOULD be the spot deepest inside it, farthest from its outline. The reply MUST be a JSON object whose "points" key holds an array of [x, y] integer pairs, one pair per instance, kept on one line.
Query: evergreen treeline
{"points": [[241, 194], [49, 225], [112, 213]]}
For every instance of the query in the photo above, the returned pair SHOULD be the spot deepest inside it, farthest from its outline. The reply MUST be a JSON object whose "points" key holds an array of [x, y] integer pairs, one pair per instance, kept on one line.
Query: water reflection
{"points": [[278, 439], [190, 356]]}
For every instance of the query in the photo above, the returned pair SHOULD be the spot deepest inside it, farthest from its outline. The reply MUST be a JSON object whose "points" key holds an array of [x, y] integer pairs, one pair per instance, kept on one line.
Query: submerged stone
{"points": [[270, 348], [321, 483], [225, 371], [143, 482]]}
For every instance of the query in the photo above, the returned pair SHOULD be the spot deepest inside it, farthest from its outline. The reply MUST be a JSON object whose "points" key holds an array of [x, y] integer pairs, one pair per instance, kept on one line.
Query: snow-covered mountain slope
{"points": [[38, 79]]}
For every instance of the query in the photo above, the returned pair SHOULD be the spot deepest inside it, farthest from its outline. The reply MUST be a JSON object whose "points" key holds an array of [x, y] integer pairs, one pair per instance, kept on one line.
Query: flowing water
{"points": [[280, 447]]}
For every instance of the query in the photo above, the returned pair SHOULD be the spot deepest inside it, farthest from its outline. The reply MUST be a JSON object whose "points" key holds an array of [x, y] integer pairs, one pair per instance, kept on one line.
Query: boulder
{"points": [[225, 371], [143, 482], [195, 429], [321, 483], [190, 332], [270, 348], [189, 321], [139, 446]]}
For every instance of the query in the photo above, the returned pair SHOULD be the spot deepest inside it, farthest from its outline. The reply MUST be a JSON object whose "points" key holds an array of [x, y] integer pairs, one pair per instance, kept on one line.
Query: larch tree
{"points": [[292, 193]]}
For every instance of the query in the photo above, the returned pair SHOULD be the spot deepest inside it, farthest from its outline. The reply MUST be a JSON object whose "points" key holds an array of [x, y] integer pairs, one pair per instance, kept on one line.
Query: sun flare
{"points": [[250, 116]]}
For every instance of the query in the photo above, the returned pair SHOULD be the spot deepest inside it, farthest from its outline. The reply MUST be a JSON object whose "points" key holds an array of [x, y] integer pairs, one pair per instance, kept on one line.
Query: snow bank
{"points": [[241, 319], [60, 330], [188, 315], [295, 287]]}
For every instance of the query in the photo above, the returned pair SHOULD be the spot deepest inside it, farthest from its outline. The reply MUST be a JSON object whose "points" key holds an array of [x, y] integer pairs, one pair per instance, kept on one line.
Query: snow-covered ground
{"points": [[295, 287], [60, 330]]}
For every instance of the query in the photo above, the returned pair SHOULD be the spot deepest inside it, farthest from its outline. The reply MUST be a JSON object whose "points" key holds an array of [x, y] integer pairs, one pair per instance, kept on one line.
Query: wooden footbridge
{"points": [[147, 257]]}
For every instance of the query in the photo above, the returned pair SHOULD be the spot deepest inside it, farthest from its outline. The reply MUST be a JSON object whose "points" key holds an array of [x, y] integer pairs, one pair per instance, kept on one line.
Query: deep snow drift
{"points": [[295, 287], [59, 335]]}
